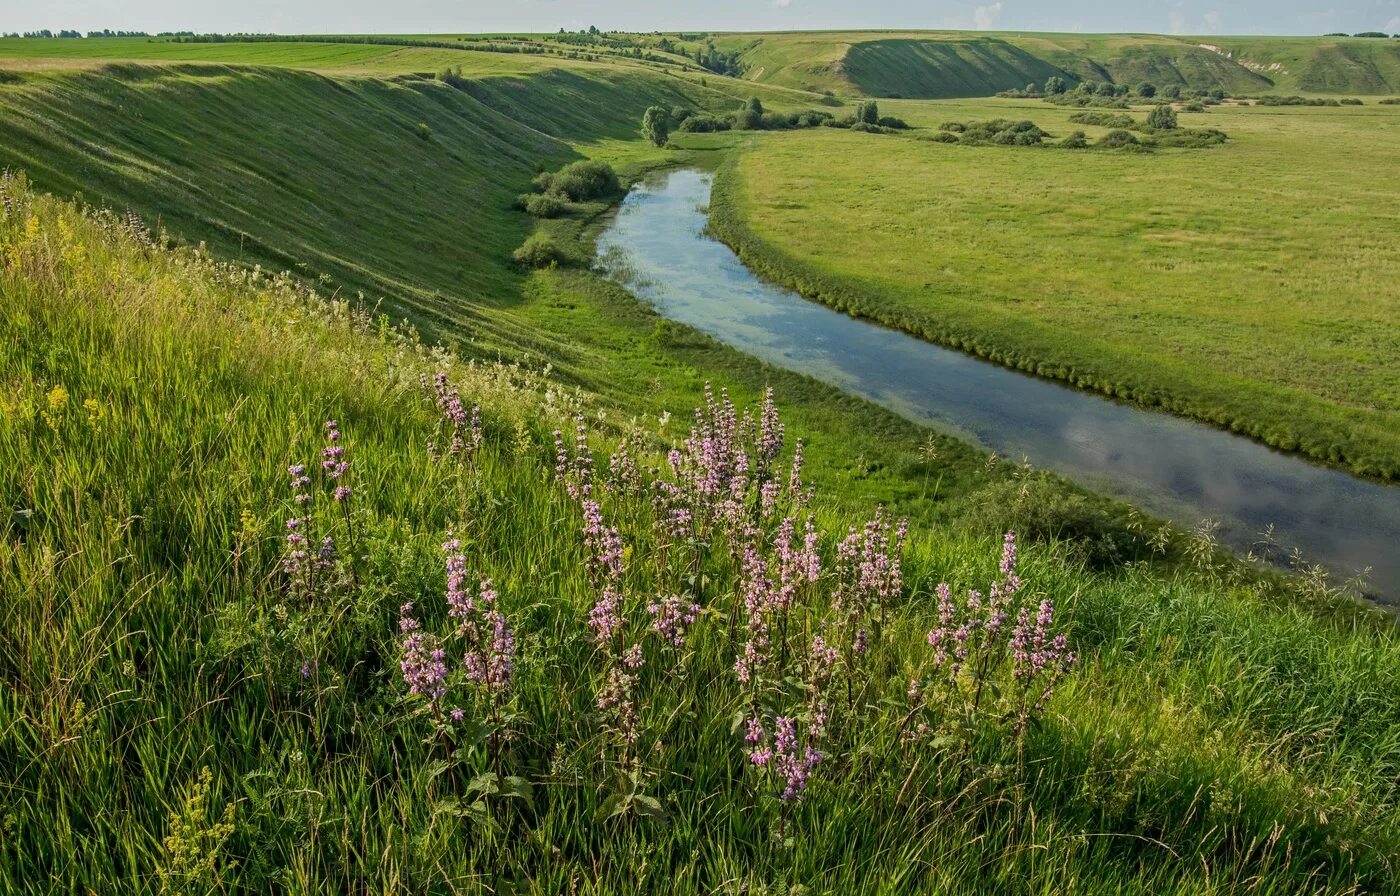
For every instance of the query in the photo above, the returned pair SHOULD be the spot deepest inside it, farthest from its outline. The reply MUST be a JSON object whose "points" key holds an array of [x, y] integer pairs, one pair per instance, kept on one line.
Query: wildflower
{"points": [[423, 662], [670, 618]]}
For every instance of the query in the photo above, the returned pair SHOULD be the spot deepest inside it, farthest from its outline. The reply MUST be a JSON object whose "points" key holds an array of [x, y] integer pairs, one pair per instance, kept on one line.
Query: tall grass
{"points": [[178, 714]]}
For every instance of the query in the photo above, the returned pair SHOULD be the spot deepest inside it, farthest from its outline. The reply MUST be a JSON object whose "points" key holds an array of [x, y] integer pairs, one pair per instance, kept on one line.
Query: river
{"points": [[1171, 467]]}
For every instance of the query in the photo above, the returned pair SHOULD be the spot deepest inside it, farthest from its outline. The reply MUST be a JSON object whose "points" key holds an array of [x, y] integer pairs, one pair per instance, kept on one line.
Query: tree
{"points": [[752, 104], [1172, 91], [656, 125], [1106, 89], [1055, 85], [1147, 89], [868, 112], [1161, 118]]}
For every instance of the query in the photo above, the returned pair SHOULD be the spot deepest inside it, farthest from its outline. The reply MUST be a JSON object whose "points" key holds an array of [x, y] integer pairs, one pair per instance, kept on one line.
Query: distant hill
{"points": [[933, 65]]}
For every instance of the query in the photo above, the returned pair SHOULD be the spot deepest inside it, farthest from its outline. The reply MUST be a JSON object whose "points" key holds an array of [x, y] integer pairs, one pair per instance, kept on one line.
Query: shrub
{"points": [[1351, 101], [1172, 91], [538, 251], [580, 181], [1190, 138], [955, 127], [747, 119], [868, 112], [942, 137], [1193, 107], [1147, 89], [894, 124], [1391, 101], [542, 205], [1077, 140], [656, 125], [423, 131], [1055, 85], [1117, 139], [1004, 132], [704, 124], [754, 105], [1103, 119], [1161, 118]]}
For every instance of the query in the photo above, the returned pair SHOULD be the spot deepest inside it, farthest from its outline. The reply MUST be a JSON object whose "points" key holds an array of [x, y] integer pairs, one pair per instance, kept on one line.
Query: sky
{"points": [[460, 16]]}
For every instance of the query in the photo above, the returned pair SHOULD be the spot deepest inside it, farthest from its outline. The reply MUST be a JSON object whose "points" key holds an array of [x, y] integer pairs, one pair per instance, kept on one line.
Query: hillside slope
{"points": [[932, 65], [190, 701]]}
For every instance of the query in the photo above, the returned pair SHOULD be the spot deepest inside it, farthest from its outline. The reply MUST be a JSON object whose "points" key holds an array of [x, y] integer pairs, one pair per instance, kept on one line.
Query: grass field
{"points": [[1214, 282], [182, 713], [189, 705]]}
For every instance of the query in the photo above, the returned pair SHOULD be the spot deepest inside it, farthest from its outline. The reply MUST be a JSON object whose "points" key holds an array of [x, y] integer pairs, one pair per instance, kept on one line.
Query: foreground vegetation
{"points": [[222, 612], [1210, 283]]}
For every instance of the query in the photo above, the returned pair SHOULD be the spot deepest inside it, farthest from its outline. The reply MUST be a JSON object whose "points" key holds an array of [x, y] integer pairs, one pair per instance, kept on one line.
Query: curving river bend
{"points": [[1175, 468]]}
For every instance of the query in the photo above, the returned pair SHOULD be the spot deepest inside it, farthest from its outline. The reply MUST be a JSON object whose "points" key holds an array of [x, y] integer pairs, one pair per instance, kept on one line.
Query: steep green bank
{"points": [[928, 65], [187, 705]]}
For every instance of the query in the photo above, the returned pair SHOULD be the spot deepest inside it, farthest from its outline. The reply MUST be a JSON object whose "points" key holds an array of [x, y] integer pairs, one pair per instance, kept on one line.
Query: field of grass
{"points": [[187, 706], [1251, 285]]}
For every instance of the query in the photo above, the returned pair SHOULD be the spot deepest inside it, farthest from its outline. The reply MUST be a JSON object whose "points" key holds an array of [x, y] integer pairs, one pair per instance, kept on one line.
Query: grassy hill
{"points": [[190, 704], [930, 65]]}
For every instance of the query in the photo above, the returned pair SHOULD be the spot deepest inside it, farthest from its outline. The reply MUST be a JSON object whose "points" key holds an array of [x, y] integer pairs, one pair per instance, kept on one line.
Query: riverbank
{"points": [[1170, 467]]}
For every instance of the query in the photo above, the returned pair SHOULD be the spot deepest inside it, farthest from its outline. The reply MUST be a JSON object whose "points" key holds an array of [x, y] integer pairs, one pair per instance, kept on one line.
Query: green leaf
{"points": [[516, 787], [485, 783], [649, 806], [612, 806]]}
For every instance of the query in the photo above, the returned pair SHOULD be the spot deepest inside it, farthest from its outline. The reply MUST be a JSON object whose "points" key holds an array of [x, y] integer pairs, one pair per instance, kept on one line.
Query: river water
{"points": [[1177, 469]]}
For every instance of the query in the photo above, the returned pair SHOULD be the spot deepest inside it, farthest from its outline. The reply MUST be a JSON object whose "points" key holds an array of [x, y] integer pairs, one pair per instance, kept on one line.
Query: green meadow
{"points": [[1249, 285], [678, 652]]}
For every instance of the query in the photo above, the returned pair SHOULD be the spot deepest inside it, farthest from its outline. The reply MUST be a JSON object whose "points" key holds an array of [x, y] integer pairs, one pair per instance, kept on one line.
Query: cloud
{"points": [[782, 4], [1393, 26], [984, 17], [1211, 22]]}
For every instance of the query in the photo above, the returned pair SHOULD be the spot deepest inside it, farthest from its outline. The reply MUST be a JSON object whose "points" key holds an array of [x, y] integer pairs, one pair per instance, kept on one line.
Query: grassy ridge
{"points": [[929, 65], [151, 404], [1222, 311]]}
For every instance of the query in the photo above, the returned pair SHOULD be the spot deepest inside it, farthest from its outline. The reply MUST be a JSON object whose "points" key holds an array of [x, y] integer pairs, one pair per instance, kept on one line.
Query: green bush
{"points": [[1147, 89], [1351, 101], [1161, 118], [1000, 131], [539, 251], [1077, 140], [868, 112], [1103, 119], [580, 181], [656, 125], [1193, 107], [704, 124], [1117, 139], [747, 119], [423, 131], [542, 205]]}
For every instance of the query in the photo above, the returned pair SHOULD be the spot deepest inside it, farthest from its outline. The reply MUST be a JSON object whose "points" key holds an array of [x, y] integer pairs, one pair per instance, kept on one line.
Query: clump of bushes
{"points": [[1351, 101], [998, 131], [1118, 139], [1086, 100], [1391, 101], [1270, 99], [1077, 140], [580, 181], [423, 131], [542, 205], [1103, 119], [1193, 107], [539, 251], [1189, 138]]}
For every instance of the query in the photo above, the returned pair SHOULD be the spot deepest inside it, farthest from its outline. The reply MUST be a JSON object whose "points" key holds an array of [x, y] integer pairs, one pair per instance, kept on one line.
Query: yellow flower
{"points": [[57, 400], [95, 412]]}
